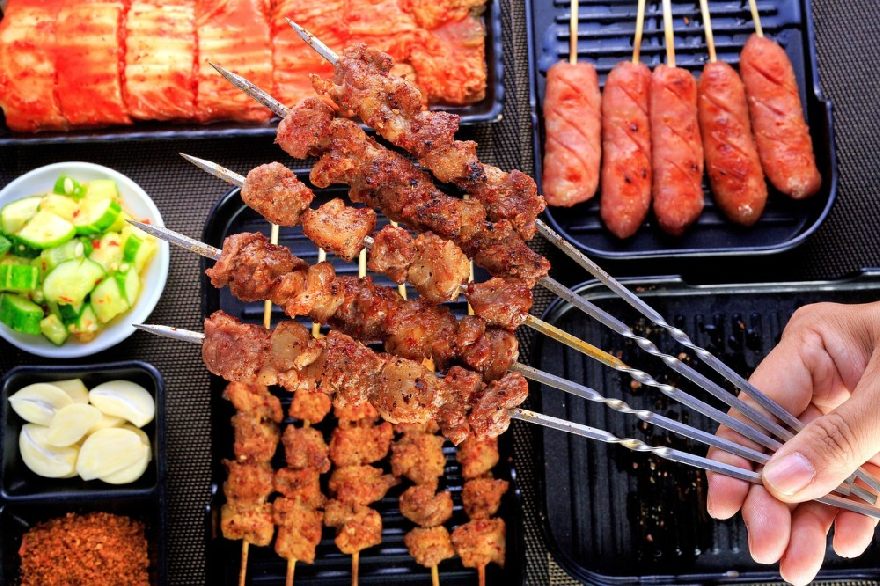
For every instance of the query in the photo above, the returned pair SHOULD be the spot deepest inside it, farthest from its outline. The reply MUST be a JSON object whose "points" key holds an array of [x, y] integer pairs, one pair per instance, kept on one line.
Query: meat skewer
{"points": [[572, 122], [781, 133], [676, 148], [626, 142], [731, 157]]}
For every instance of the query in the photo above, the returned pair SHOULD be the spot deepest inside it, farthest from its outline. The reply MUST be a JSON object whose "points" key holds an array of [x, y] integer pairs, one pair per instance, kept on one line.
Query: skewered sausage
{"points": [[781, 133], [572, 112], [677, 149], [626, 148], [731, 158]]}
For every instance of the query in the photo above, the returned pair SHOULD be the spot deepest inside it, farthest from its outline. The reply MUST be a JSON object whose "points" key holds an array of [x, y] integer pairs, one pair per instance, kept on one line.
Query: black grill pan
{"points": [[606, 31], [617, 517], [487, 110], [388, 563]]}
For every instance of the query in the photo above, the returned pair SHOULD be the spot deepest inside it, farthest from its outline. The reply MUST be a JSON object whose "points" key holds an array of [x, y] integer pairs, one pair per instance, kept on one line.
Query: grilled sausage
{"points": [[572, 149], [677, 149], [781, 133], [626, 148], [731, 158]]}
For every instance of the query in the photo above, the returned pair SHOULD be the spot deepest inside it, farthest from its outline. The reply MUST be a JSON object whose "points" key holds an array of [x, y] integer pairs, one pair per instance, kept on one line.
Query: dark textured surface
{"points": [[848, 53]]}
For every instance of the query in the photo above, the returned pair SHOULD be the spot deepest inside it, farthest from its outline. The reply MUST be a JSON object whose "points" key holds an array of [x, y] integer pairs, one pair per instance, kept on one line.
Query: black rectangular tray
{"points": [[606, 31], [617, 517], [32, 499], [486, 111], [388, 563]]}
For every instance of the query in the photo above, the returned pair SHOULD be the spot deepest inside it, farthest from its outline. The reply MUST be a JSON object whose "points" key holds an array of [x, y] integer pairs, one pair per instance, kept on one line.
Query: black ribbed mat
{"points": [[848, 241]]}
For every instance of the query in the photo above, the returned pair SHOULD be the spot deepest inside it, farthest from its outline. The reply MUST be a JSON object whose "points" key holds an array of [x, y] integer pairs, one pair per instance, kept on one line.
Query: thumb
{"points": [[830, 448]]}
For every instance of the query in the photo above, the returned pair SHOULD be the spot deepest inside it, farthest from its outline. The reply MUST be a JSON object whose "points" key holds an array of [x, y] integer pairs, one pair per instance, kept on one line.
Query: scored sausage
{"points": [[731, 157], [781, 133], [626, 148], [572, 149], [677, 149]]}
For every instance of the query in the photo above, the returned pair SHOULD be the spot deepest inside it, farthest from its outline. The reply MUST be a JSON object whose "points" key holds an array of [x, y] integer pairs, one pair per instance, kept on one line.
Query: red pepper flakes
{"points": [[96, 549]]}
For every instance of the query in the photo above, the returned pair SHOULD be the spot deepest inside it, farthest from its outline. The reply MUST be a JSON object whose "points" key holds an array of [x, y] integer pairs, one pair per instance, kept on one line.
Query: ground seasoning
{"points": [[97, 549]]}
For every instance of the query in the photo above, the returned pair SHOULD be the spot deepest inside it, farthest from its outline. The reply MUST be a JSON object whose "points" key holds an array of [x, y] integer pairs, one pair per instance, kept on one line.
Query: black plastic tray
{"points": [[606, 501], [486, 111], [606, 31], [26, 499], [384, 564]]}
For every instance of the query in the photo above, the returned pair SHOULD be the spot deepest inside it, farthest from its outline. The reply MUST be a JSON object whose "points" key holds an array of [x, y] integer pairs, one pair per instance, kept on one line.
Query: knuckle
{"points": [[835, 437]]}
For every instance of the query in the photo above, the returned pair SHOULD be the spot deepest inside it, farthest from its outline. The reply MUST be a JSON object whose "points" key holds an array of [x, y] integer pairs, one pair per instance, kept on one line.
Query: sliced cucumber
{"points": [[59, 205], [96, 215], [120, 223], [71, 281], [5, 245], [19, 278], [86, 325], [52, 327], [108, 252], [53, 257], [67, 185], [143, 252], [14, 216], [69, 313], [20, 314], [46, 230], [108, 301], [130, 284], [102, 189]]}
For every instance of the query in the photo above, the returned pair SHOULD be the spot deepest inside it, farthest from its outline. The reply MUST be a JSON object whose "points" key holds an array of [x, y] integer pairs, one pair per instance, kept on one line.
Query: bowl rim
{"points": [[150, 295]]}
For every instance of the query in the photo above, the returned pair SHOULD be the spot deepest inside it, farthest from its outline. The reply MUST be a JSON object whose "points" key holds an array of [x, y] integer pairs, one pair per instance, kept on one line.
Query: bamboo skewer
{"points": [[669, 33], [355, 567], [707, 28], [640, 27], [242, 572], [573, 32], [291, 568], [481, 575], [435, 576], [756, 17]]}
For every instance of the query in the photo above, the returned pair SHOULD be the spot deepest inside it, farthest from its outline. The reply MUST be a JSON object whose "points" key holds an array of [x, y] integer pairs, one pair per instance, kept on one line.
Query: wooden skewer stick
{"points": [[707, 27], [756, 17], [573, 32], [316, 327], [267, 305], [481, 575], [640, 28], [435, 576], [355, 567], [669, 31], [242, 573], [291, 568]]}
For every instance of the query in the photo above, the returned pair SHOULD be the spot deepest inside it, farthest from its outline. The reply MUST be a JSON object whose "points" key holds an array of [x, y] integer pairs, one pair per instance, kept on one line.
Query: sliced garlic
{"points": [[130, 474], [37, 403], [107, 421], [108, 451], [122, 398], [145, 439], [42, 458], [73, 387], [72, 423]]}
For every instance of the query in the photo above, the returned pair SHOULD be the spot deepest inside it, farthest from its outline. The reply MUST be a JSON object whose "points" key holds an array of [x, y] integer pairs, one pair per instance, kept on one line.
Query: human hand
{"points": [[826, 370]]}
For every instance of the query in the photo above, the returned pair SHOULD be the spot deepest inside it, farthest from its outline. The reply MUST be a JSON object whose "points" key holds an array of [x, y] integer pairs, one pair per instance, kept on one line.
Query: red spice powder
{"points": [[96, 549]]}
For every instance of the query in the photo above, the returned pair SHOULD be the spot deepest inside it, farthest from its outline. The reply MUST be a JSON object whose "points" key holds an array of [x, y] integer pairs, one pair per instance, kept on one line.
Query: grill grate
{"points": [[390, 561], [606, 28], [611, 507]]}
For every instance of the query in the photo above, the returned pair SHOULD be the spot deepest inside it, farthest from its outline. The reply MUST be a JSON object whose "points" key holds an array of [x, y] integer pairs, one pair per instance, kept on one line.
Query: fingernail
{"points": [[790, 474]]}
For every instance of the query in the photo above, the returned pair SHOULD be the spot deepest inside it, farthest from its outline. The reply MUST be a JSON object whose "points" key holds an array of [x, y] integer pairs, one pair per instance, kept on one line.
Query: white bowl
{"points": [[139, 204]]}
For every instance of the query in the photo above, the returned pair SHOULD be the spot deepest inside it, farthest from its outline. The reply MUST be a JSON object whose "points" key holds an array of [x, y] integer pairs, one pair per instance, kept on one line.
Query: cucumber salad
{"points": [[69, 262]]}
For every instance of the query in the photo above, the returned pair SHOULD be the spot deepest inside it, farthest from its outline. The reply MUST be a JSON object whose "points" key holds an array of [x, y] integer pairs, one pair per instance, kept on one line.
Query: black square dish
{"points": [[19, 484]]}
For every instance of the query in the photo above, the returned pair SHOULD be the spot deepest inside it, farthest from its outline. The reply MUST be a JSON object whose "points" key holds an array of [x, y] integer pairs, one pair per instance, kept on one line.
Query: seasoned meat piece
{"points": [[429, 545], [337, 512], [497, 249], [255, 439], [392, 253], [299, 530], [419, 330], [360, 444], [360, 485], [492, 354], [425, 507], [504, 303], [407, 392], [459, 386], [317, 293], [274, 192], [429, 426], [303, 485], [251, 522], [304, 447], [480, 542], [477, 455], [250, 265], [469, 330], [310, 405], [305, 128], [247, 481], [438, 269], [351, 370], [254, 399], [490, 411], [358, 527], [365, 308], [339, 228], [352, 413], [419, 457], [236, 351], [292, 348], [482, 496]]}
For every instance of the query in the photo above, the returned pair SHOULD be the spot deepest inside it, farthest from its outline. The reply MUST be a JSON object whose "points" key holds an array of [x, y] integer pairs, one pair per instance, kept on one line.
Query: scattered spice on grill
{"points": [[98, 549]]}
